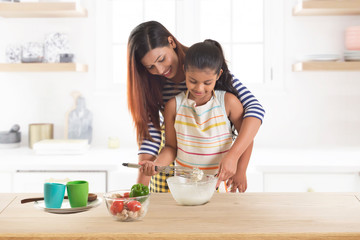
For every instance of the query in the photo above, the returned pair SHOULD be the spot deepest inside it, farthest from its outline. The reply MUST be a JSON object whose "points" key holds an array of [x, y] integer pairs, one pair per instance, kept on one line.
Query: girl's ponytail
{"points": [[225, 80]]}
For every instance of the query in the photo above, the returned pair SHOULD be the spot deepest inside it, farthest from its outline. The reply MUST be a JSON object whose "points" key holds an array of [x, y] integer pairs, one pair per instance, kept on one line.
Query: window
{"points": [[245, 29]]}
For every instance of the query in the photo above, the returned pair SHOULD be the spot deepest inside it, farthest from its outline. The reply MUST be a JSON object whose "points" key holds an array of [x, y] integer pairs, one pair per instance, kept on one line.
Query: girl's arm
{"points": [[168, 153]]}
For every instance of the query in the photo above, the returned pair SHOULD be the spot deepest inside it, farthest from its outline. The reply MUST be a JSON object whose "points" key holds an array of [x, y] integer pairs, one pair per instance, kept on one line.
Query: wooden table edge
{"points": [[178, 236]]}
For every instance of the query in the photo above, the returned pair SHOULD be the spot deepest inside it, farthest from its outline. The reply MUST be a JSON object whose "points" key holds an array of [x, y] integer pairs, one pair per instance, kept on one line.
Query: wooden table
{"points": [[230, 216]]}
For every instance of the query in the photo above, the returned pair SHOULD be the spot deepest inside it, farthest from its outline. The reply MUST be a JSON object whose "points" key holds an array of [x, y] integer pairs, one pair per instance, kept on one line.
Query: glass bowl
{"points": [[124, 208], [186, 191]]}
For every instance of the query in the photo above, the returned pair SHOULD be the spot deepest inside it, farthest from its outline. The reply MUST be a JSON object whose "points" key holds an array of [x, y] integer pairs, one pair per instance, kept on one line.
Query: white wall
{"points": [[314, 109]]}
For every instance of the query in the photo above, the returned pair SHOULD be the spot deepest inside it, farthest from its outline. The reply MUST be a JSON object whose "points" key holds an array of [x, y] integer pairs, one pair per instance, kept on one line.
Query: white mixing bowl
{"points": [[186, 191]]}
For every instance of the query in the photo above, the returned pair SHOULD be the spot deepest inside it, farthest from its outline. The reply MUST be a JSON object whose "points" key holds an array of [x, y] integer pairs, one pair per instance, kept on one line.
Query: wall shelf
{"points": [[326, 66], [43, 67], [327, 7], [41, 10]]}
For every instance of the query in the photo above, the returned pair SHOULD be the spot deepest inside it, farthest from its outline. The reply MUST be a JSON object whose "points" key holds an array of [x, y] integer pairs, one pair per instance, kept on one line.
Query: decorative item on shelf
{"points": [[12, 138], [352, 38], [55, 44], [66, 57], [40, 131], [323, 57], [79, 120], [13, 53], [113, 142], [352, 55], [32, 52]]}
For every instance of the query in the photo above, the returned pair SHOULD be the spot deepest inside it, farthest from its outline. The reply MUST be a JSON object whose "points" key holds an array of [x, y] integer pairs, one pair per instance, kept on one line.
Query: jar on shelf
{"points": [[13, 53], [32, 52], [55, 44]]}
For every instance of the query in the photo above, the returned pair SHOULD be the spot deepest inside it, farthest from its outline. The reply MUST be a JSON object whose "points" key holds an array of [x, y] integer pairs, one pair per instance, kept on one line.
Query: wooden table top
{"points": [[235, 216]]}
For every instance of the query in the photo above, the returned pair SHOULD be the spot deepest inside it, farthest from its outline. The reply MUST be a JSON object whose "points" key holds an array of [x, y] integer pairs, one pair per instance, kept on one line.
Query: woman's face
{"points": [[201, 83], [162, 61]]}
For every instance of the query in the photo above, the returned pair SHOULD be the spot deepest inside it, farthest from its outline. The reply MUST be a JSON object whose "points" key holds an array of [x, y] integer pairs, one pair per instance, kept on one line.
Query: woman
{"points": [[155, 74]]}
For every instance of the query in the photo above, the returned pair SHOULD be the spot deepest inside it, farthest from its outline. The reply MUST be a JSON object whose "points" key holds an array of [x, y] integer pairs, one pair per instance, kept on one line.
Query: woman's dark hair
{"points": [[209, 54], [144, 90]]}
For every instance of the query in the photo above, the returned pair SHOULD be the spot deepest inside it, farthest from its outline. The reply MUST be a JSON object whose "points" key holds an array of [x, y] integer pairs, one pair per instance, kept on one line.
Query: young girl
{"points": [[198, 132], [156, 74]]}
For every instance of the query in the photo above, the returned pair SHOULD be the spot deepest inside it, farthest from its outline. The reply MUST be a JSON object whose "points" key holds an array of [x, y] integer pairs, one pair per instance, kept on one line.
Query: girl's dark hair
{"points": [[144, 90], [209, 54]]}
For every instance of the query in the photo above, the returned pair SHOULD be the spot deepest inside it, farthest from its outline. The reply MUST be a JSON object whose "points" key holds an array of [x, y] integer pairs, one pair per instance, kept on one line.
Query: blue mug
{"points": [[54, 194]]}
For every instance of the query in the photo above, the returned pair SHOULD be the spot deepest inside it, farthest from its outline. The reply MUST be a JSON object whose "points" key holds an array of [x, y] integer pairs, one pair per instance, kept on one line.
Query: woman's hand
{"points": [[227, 169], [237, 182], [148, 168]]}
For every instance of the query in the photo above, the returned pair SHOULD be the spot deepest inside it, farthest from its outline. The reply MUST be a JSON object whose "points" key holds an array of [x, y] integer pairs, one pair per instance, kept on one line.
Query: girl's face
{"points": [[162, 60], [201, 83]]}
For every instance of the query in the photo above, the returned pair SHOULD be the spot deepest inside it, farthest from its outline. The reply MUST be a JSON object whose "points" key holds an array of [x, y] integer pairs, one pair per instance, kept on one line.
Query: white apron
{"points": [[203, 133]]}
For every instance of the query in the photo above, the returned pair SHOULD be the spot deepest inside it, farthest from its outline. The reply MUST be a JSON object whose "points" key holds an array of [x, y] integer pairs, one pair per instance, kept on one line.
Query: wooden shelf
{"points": [[326, 66], [43, 67], [327, 7], [41, 10]]}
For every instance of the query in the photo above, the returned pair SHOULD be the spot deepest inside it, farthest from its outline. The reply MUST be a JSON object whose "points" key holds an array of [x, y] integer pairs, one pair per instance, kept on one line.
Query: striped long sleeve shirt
{"points": [[252, 108]]}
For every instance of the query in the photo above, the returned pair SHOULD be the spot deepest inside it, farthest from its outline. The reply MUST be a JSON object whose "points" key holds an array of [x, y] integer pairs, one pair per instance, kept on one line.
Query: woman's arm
{"points": [[151, 146], [168, 153], [239, 181], [252, 118], [142, 178], [247, 129], [148, 152], [252, 107], [245, 137], [228, 164]]}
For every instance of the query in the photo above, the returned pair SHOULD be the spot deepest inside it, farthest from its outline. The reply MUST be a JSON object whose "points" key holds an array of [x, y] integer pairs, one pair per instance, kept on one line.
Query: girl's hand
{"points": [[147, 168], [227, 168], [237, 182]]}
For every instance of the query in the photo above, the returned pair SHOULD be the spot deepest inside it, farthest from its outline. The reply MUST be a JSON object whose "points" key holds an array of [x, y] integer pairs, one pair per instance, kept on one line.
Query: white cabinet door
{"points": [[309, 182], [29, 181], [6, 183]]}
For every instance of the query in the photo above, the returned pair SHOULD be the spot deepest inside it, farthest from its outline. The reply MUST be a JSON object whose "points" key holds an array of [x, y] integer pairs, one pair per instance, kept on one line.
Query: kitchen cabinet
{"points": [[41, 10], [327, 7], [311, 182], [6, 182], [21, 170], [302, 170], [31, 181]]}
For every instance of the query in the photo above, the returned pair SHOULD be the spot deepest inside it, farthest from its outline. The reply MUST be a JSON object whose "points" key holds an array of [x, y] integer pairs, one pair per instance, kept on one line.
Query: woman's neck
{"points": [[179, 77]]}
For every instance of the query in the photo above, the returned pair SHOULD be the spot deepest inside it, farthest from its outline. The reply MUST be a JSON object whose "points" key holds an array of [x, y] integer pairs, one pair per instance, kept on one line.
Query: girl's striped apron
{"points": [[203, 132]]}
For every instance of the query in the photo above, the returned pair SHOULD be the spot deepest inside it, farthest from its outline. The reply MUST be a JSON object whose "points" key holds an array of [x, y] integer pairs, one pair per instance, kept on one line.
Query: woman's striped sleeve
{"points": [[151, 147], [252, 107]]}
